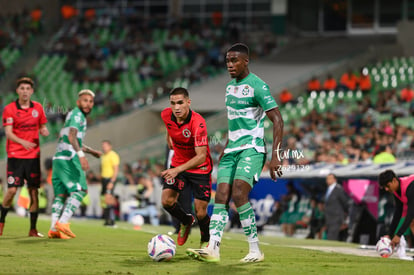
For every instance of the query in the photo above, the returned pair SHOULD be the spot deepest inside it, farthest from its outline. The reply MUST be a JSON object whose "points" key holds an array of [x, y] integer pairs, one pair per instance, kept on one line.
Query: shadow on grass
{"points": [[135, 261], [30, 240]]}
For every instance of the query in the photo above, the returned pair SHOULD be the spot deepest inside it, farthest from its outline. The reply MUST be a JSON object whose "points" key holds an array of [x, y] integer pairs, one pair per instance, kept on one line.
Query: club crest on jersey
{"points": [[9, 120], [186, 133], [35, 113], [245, 90], [170, 182], [10, 180]]}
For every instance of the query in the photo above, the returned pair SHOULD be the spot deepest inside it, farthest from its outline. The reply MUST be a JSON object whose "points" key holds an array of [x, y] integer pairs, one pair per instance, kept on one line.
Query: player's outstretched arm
{"points": [[93, 152], [277, 120]]}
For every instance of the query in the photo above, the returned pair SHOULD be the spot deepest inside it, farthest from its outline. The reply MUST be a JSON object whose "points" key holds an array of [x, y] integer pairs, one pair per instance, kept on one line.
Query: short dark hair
{"points": [[179, 91], [385, 177], [332, 174], [24, 80], [239, 47], [107, 141]]}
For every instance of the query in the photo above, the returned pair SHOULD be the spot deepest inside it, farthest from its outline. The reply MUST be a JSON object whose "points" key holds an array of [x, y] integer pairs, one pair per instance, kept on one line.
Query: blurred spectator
{"points": [[94, 207], [121, 63], [348, 80], [36, 17], [68, 11], [147, 201], [128, 175], [385, 155], [407, 94], [364, 81], [329, 83], [285, 96], [315, 219], [313, 84], [336, 210], [90, 14], [290, 204], [366, 157]]}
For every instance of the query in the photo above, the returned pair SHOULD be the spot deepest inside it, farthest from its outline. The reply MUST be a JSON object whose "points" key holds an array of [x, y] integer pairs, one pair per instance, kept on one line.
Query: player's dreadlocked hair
{"points": [[180, 91], [386, 177], [239, 47]]}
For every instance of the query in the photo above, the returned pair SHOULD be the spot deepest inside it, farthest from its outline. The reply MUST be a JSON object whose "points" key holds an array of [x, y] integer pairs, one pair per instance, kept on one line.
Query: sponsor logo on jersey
{"points": [[186, 133], [235, 89], [35, 113], [265, 87], [237, 113]]}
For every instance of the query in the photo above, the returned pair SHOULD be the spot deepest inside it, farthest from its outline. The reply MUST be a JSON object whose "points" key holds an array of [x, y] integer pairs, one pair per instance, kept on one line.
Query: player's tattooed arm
{"points": [[75, 144], [73, 139], [93, 152]]}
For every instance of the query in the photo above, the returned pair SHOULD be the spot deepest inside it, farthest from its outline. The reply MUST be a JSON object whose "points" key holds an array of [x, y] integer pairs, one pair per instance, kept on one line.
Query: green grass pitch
{"points": [[101, 250]]}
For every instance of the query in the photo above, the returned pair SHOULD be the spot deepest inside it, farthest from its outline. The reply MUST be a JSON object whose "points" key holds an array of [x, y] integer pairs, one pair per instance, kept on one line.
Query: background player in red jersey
{"points": [[23, 120], [190, 165]]}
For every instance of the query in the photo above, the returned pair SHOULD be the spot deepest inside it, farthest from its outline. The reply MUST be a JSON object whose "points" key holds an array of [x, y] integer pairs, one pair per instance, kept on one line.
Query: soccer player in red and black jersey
{"points": [[23, 120], [190, 165]]}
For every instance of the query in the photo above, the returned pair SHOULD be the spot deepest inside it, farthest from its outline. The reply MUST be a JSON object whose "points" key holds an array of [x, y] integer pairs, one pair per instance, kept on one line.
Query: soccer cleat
{"points": [[65, 228], [57, 235], [203, 244], [34, 233], [184, 232], [203, 254], [253, 257]]}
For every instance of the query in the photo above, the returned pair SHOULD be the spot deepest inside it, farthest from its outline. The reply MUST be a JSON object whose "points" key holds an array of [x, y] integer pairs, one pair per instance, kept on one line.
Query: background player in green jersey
{"points": [[248, 101], [69, 166]]}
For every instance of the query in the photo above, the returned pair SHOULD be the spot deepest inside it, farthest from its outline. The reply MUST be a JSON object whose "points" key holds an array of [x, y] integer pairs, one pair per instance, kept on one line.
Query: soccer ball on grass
{"points": [[161, 248], [384, 247]]}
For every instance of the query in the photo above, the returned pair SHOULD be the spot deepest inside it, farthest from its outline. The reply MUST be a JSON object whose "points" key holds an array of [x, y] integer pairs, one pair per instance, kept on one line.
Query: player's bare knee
{"points": [[168, 201], [239, 198], [201, 211]]}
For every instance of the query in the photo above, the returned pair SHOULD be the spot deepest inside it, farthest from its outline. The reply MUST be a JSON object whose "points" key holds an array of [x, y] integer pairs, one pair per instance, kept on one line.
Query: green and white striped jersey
{"points": [[74, 119], [247, 101]]}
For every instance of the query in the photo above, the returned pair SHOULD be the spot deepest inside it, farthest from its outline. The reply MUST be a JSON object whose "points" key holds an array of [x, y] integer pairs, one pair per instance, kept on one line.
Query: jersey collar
{"points": [[20, 107], [187, 120]]}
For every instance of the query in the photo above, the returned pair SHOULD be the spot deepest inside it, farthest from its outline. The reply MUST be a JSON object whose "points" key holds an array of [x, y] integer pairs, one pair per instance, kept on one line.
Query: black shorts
{"points": [[19, 170], [105, 182], [200, 184]]}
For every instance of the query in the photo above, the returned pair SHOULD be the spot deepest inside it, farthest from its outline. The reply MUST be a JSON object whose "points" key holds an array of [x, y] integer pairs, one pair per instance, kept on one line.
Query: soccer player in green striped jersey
{"points": [[69, 166], [248, 102]]}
